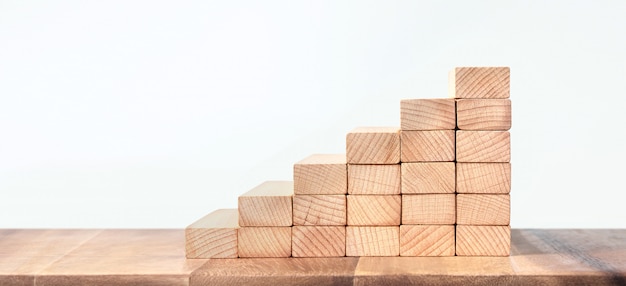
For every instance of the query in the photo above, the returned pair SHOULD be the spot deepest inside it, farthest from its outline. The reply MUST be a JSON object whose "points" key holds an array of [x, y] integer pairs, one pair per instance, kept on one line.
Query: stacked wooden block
{"points": [[437, 186]]}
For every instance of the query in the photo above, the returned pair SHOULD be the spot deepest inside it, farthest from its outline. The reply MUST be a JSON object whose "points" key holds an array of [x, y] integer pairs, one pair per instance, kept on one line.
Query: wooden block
{"points": [[372, 241], [374, 179], [481, 240], [428, 146], [427, 240], [213, 236], [268, 204], [428, 209], [319, 210], [318, 241], [321, 174], [479, 82], [373, 145], [428, 178], [483, 178], [483, 146], [483, 209], [427, 114], [483, 114], [265, 241], [374, 210]]}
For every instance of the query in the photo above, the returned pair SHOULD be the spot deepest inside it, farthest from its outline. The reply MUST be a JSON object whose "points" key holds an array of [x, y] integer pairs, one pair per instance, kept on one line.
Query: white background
{"points": [[151, 114]]}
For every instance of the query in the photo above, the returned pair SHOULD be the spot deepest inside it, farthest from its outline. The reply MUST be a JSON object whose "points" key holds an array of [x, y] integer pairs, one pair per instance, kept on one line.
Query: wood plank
{"points": [[318, 241], [374, 210], [483, 114], [268, 204], [373, 145], [374, 179], [372, 240], [264, 241], [427, 114], [428, 178], [427, 240], [479, 82], [321, 174], [483, 146], [213, 236], [428, 209], [473, 209], [319, 210], [483, 178], [427, 146], [481, 240]]}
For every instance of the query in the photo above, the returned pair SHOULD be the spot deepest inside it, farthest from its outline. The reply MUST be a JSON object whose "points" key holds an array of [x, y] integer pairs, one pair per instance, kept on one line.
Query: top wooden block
{"points": [[479, 82], [373, 145], [427, 114], [269, 204], [321, 174]]}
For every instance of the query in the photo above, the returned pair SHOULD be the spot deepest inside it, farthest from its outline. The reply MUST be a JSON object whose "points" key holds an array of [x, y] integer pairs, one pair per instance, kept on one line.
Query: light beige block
{"points": [[483, 146], [318, 241], [374, 179], [373, 145], [479, 82], [480, 240], [428, 178], [427, 240], [374, 210], [319, 210], [427, 114], [483, 209], [428, 209], [268, 204], [372, 241], [321, 174], [483, 178], [213, 236], [427, 146], [264, 241], [483, 114]]}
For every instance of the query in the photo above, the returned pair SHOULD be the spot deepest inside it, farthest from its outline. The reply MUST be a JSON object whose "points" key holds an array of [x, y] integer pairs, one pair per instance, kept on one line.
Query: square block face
{"points": [[373, 145], [483, 178], [427, 240], [428, 178], [213, 236], [372, 241], [319, 210], [427, 114], [483, 209], [483, 146], [427, 146], [268, 204], [318, 241], [264, 242], [428, 209], [374, 179], [479, 82], [321, 174], [374, 210], [483, 114], [480, 240]]}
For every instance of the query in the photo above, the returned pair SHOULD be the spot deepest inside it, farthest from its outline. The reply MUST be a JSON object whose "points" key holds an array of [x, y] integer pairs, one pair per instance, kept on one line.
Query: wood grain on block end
{"points": [[319, 210], [269, 204], [483, 146], [372, 241], [479, 82], [321, 174], [479, 209], [427, 114], [213, 236], [374, 179], [483, 114], [374, 210], [318, 241], [427, 146], [481, 240], [427, 240], [429, 209], [373, 145], [483, 178], [428, 178], [264, 241]]}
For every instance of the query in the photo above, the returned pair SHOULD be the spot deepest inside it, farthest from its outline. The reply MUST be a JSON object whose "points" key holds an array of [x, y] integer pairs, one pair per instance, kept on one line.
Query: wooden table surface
{"points": [[156, 257]]}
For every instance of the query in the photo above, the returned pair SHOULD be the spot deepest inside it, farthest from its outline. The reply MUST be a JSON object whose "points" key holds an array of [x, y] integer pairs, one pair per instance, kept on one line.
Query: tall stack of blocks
{"points": [[437, 186]]}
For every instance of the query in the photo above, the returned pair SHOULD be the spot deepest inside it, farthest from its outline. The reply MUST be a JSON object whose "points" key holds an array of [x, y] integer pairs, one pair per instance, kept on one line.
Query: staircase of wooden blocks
{"points": [[437, 186]]}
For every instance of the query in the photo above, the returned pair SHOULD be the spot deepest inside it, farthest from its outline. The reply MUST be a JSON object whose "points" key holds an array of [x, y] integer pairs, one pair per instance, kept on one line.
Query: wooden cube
{"points": [[213, 236], [483, 178], [265, 241], [321, 174], [428, 178], [427, 146], [483, 146], [374, 179], [483, 114], [319, 210], [479, 82], [268, 204], [427, 114], [483, 209], [318, 241], [427, 240], [481, 240], [374, 210], [372, 241], [373, 145], [428, 209]]}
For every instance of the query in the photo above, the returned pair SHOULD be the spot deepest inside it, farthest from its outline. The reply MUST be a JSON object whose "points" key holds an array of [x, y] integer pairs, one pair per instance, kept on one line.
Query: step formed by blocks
{"points": [[428, 178], [427, 114], [483, 178], [429, 209], [427, 240], [483, 209], [483, 114], [268, 204], [213, 236], [372, 241], [374, 210], [479, 82], [318, 241], [481, 240], [264, 241], [373, 145], [427, 146], [319, 210], [374, 179], [483, 146], [321, 174]]}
